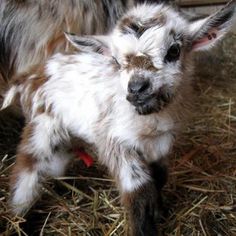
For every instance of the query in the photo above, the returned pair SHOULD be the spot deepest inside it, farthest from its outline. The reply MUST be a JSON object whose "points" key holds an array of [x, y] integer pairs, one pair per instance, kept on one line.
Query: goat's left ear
{"points": [[206, 32], [97, 44]]}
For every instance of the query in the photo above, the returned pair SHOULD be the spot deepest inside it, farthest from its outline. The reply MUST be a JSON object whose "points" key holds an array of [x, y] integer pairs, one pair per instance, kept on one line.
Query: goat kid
{"points": [[125, 93], [32, 30]]}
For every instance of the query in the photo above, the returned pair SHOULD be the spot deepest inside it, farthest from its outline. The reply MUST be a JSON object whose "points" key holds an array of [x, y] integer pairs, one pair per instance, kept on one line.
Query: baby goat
{"points": [[124, 93]]}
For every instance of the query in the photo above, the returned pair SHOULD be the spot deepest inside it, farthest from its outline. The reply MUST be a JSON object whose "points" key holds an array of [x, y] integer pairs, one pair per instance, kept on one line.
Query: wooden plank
{"points": [[187, 3]]}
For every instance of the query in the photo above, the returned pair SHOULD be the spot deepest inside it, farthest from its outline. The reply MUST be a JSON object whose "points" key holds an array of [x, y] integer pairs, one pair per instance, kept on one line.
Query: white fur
{"points": [[56, 167], [26, 191], [131, 183], [9, 96]]}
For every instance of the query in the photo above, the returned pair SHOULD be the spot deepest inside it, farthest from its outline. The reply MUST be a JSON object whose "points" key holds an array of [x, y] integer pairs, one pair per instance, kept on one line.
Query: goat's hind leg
{"points": [[25, 183], [27, 178], [34, 163]]}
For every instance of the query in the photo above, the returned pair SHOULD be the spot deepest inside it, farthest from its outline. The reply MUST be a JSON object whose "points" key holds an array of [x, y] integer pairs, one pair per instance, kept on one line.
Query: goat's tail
{"points": [[9, 97]]}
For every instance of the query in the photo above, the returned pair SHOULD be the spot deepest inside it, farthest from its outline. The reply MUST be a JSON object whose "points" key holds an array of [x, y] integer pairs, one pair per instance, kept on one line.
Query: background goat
{"points": [[30, 31], [125, 93]]}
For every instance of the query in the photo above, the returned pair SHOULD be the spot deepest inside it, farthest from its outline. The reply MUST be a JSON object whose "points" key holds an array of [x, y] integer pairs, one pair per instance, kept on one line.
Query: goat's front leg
{"points": [[159, 172], [138, 191], [142, 207]]}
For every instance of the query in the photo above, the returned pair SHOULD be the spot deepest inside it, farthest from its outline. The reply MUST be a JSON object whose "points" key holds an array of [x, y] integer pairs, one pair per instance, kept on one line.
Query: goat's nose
{"points": [[138, 86]]}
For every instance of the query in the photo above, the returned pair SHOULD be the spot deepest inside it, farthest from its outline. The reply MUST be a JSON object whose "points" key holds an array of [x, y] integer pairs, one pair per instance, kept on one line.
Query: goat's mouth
{"points": [[148, 104]]}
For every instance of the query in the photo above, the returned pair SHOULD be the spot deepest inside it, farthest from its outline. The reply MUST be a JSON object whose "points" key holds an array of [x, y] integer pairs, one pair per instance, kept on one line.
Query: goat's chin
{"points": [[145, 110], [148, 109], [151, 106]]}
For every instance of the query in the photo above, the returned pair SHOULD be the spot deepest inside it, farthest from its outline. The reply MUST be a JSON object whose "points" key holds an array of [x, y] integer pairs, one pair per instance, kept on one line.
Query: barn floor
{"points": [[200, 196]]}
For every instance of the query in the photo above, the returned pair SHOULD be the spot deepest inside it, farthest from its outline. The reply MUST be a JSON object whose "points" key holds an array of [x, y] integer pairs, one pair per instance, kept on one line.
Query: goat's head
{"points": [[152, 44]]}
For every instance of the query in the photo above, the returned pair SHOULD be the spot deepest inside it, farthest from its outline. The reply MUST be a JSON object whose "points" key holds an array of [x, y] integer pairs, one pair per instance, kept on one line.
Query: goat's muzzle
{"points": [[148, 102]]}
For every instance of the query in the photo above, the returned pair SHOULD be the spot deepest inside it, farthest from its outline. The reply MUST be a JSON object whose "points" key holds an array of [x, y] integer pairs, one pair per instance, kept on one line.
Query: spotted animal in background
{"points": [[31, 31]]}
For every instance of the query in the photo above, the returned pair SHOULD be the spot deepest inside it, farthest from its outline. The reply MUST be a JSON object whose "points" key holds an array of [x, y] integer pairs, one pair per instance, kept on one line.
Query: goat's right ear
{"points": [[97, 44], [206, 32]]}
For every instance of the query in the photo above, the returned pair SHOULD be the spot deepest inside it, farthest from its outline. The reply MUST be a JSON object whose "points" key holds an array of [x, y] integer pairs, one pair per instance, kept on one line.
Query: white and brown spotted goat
{"points": [[124, 93]]}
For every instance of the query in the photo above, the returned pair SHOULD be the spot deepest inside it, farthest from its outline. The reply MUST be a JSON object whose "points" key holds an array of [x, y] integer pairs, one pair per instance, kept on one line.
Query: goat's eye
{"points": [[173, 53]]}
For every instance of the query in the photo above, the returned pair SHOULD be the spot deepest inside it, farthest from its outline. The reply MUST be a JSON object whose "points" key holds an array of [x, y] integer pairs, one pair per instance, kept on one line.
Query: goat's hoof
{"points": [[144, 211]]}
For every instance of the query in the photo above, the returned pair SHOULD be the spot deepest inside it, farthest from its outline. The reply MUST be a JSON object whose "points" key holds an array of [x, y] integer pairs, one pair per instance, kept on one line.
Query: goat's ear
{"points": [[97, 44], [206, 32]]}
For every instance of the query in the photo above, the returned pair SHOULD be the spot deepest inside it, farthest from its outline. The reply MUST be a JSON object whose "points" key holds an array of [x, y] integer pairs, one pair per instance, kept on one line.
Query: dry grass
{"points": [[200, 195]]}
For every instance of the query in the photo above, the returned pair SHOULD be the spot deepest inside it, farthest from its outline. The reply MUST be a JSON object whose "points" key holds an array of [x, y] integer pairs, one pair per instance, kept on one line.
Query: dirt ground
{"points": [[200, 197]]}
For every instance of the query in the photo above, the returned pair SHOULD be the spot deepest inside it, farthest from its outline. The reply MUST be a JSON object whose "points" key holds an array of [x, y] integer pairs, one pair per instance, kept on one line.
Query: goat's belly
{"points": [[79, 117]]}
